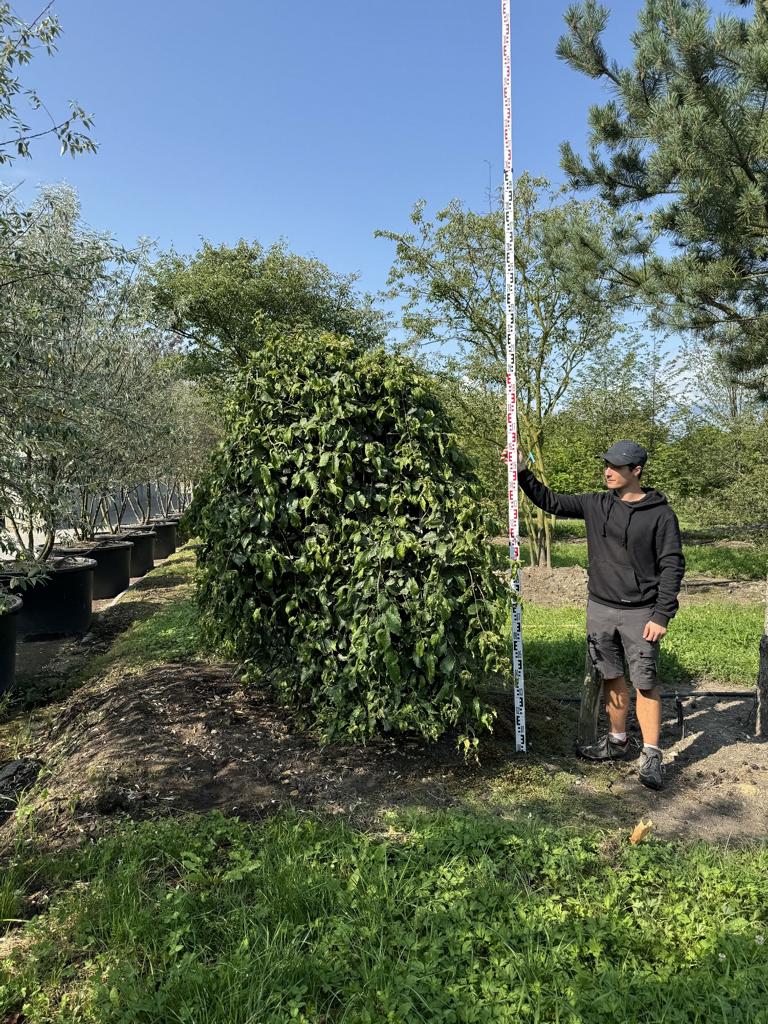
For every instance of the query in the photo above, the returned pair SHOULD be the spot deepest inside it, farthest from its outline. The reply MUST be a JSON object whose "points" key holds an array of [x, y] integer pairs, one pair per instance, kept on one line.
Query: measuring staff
{"points": [[636, 566], [508, 199]]}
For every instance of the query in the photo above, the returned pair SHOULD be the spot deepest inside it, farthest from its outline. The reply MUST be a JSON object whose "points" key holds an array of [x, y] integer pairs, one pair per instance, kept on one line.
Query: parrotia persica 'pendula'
{"points": [[344, 554]]}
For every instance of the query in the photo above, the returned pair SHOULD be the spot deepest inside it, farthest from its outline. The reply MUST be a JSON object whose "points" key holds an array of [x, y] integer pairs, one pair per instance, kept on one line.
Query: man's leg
{"points": [[607, 657], [642, 659], [615, 744], [616, 694], [648, 709]]}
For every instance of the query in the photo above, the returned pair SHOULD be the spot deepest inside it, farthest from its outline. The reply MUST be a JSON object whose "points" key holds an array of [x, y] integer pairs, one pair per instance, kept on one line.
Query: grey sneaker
{"points": [[605, 749], [650, 769]]}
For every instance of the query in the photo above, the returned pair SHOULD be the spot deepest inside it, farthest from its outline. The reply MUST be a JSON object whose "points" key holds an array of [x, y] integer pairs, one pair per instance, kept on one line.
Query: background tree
{"points": [[94, 406], [451, 274], [685, 135], [55, 356], [719, 457], [19, 39], [223, 300], [629, 389]]}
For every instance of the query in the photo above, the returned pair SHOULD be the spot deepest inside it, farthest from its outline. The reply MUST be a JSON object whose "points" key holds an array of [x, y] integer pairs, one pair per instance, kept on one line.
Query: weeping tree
{"points": [[450, 273], [344, 554]]}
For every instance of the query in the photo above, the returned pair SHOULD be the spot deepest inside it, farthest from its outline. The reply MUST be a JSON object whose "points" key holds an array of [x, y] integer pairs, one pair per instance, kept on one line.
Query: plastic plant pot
{"points": [[165, 543], [10, 607], [113, 564], [61, 605], [143, 551]]}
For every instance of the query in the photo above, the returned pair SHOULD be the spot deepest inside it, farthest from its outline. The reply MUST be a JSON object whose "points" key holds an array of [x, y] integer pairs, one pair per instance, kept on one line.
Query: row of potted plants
{"points": [[58, 601], [96, 401]]}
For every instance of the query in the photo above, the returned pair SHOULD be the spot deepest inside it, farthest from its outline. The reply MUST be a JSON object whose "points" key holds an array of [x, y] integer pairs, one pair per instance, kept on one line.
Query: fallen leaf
{"points": [[641, 830]]}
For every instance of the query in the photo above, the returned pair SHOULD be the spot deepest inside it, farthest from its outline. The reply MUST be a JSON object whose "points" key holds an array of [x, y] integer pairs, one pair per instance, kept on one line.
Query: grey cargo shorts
{"points": [[615, 634]]}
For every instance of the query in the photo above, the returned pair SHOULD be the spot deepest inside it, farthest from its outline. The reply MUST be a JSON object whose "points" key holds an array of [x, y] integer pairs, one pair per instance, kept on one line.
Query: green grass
{"points": [[564, 554], [716, 642], [733, 563], [10, 897], [451, 918], [169, 635]]}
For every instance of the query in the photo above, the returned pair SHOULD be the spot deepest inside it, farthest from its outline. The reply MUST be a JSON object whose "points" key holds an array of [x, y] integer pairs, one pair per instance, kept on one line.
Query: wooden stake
{"points": [[589, 710]]}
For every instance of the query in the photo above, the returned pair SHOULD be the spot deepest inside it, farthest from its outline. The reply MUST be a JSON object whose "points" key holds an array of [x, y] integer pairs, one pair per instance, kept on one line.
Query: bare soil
{"points": [[567, 588], [188, 737]]}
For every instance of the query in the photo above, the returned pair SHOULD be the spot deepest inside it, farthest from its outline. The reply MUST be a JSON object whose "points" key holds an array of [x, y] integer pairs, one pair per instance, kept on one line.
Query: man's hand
{"points": [[653, 632], [522, 458]]}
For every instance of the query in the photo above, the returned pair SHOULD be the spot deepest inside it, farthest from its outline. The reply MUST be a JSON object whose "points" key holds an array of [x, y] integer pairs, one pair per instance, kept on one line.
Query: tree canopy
{"points": [[224, 298], [684, 138], [450, 271], [19, 39]]}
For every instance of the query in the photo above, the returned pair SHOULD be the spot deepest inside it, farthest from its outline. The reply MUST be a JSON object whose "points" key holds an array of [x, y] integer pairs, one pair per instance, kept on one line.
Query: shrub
{"points": [[343, 547]]}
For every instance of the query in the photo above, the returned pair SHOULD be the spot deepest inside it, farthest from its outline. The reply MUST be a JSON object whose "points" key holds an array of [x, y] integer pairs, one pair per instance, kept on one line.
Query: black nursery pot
{"points": [[113, 564], [61, 605], [165, 543], [9, 609], [143, 551]]}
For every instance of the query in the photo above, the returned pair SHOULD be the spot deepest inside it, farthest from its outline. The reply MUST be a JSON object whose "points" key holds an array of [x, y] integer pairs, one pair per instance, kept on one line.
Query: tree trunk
{"points": [[530, 529], [48, 543], [589, 711], [548, 539]]}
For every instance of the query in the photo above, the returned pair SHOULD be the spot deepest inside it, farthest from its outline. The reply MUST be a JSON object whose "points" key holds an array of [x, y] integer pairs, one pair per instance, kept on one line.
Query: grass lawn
{"points": [[430, 916], [735, 563], [442, 917], [717, 642]]}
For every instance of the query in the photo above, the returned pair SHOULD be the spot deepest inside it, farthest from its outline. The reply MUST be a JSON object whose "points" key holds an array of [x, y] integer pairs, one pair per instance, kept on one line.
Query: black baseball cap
{"points": [[625, 453]]}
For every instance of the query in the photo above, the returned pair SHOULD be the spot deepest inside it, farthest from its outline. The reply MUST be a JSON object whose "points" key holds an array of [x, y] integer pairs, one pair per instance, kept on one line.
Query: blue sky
{"points": [[315, 122]]}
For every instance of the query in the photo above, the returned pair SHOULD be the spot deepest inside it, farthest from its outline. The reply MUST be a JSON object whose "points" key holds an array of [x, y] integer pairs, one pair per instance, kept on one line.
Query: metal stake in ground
{"points": [[761, 724], [511, 387]]}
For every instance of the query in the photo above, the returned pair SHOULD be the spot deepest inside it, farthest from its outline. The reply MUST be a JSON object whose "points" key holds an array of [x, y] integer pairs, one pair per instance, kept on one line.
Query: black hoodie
{"points": [[634, 548]]}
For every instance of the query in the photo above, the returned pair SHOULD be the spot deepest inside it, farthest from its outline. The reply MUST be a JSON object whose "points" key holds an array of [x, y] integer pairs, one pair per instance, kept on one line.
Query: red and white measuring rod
{"points": [[512, 435]]}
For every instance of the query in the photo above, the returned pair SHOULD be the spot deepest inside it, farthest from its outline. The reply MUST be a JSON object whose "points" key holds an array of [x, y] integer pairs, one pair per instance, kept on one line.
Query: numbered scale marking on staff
{"points": [[511, 388]]}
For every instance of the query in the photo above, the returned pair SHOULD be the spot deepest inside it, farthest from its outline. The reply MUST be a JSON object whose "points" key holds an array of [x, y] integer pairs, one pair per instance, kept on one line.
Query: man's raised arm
{"points": [[569, 505]]}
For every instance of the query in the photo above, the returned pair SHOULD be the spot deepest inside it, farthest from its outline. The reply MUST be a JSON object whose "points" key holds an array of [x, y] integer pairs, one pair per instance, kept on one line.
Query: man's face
{"points": [[617, 477]]}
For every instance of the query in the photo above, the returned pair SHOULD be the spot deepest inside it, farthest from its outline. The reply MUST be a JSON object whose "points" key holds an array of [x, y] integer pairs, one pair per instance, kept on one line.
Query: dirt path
{"points": [[188, 737]]}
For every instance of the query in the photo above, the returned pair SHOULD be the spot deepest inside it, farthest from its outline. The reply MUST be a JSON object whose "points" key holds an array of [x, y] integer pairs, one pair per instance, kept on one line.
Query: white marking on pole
{"points": [[511, 384]]}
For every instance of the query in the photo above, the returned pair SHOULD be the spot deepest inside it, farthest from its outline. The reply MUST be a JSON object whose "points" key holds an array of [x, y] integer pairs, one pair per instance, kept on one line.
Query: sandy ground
{"points": [[559, 588]]}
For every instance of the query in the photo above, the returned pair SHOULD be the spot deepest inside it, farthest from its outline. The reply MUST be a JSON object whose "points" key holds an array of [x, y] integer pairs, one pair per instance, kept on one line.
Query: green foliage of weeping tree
{"points": [[343, 547]]}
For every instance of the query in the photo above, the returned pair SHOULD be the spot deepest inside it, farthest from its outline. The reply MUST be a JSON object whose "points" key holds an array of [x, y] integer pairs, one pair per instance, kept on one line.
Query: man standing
{"points": [[636, 566]]}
